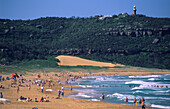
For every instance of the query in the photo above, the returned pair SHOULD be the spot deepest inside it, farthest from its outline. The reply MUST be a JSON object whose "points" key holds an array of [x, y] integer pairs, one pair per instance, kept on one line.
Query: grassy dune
{"points": [[50, 65], [76, 61]]}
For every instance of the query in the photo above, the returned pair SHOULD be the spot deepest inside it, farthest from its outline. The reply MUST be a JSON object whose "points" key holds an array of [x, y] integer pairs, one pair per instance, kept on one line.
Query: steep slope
{"points": [[129, 40]]}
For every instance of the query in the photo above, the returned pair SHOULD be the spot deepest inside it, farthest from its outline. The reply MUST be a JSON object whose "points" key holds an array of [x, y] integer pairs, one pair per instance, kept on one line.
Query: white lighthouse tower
{"points": [[134, 10]]}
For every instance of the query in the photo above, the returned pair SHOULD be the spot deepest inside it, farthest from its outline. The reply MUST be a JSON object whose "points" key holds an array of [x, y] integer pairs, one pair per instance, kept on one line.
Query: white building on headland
{"points": [[105, 16]]}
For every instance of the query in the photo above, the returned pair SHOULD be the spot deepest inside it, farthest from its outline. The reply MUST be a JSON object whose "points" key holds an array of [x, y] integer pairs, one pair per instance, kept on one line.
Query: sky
{"points": [[33, 9]]}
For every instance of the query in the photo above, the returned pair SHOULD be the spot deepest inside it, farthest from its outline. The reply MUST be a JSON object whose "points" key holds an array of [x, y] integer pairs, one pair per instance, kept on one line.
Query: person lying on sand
{"points": [[42, 99], [2, 87], [22, 98], [35, 100], [28, 99]]}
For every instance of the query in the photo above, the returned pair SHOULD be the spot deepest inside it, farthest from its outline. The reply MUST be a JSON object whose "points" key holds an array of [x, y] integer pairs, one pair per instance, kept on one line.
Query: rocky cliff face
{"points": [[134, 31]]}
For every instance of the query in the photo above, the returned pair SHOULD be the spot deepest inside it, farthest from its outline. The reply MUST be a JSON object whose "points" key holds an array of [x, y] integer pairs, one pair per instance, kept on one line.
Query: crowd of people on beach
{"points": [[19, 81]]}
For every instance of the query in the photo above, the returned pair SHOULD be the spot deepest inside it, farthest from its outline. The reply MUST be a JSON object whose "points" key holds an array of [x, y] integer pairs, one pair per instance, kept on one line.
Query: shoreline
{"points": [[74, 102], [123, 73]]}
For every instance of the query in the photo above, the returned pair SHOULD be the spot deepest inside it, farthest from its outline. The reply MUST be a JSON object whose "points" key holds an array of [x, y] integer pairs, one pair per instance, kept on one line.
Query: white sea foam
{"points": [[83, 86], [144, 76], [154, 98], [146, 84], [138, 92], [94, 100], [160, 106], [105, 79], [131, 76], [152, 79], [100, 79], [83, 95], [135, 82], [163, 91], [141, 82], [167, 79], [121, 96]]}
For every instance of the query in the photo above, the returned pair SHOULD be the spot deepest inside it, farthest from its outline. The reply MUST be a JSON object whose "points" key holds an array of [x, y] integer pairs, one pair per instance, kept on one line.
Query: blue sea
{"points": [[155, 89]]}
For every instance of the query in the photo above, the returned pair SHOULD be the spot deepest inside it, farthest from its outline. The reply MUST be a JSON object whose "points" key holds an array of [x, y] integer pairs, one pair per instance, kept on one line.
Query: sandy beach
{"points": [[63, 102]]}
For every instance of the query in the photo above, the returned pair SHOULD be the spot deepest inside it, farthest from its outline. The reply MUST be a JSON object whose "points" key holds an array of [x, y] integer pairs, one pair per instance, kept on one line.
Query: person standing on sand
{"points": [[59, 92], [140, 101], [1, 95], [143, 99], [42, 88], [62, 88], [62, 93], [102, 97], [134, 101], [17, 89], [71, 88], [29, 87], [126, 100], [143, 105]]}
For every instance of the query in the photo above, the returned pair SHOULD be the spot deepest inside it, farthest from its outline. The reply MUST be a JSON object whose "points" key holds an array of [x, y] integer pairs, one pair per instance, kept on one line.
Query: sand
{"points": [[62, 103], [75, 61]]}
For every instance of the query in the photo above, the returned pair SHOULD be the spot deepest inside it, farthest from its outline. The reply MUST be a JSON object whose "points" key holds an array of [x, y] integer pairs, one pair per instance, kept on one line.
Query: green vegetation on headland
{"points": [[48, 65], [130, 40]]}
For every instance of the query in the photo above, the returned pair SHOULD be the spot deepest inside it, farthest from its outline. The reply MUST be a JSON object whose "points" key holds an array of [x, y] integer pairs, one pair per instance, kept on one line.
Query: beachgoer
{"points": [[1, 95], [140, 101], [47, 96], [62, 93], [44, 99], [134, 101], [102, 97], [143, 99], [71, 88], [126, 100], [28, 99], [20, 98], [59, 92], [29, 87], [17, 89], [36, 100], [42, 88], [41, 100], [143, 105], [62, 87]]}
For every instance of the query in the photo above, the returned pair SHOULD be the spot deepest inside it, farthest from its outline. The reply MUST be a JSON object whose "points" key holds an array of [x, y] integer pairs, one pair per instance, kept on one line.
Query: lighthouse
{"points": [[134, 10]]}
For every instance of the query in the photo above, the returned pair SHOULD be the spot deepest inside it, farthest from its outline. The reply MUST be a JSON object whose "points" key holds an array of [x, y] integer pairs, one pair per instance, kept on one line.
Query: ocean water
{"points": [[117, 88]]}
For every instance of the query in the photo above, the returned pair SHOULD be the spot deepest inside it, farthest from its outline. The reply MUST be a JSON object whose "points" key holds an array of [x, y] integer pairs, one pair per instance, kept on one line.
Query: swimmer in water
{"points": [[126, 100], [102, 97]]}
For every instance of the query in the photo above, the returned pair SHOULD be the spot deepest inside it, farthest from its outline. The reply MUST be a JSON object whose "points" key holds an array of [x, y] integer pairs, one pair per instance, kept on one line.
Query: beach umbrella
{"points": [[49, 90], [3, 99]]}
